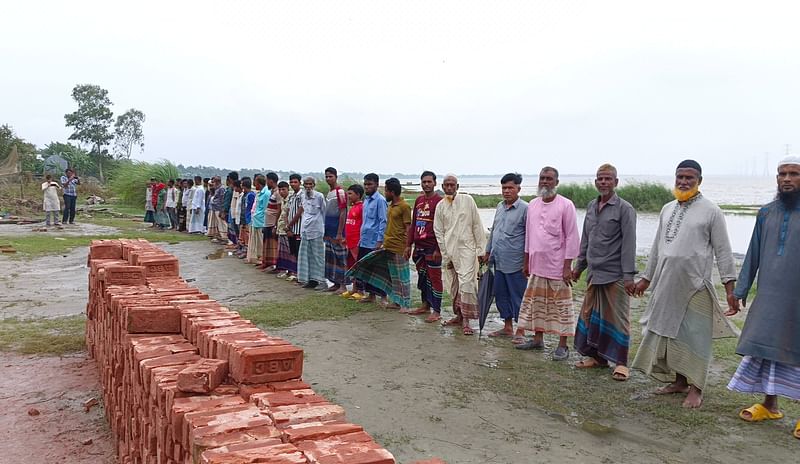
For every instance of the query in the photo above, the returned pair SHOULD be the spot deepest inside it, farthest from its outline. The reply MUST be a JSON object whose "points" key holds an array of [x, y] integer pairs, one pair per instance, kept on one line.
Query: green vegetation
{"points": [[57, 336], [130, 178], [310, 308]]}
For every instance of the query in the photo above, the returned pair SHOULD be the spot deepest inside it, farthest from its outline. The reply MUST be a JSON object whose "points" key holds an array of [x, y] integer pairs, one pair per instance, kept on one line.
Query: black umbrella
{"points": [[485, 296]]}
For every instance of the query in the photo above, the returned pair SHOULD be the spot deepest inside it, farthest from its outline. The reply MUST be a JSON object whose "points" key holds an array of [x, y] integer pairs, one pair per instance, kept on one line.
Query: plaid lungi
{"points": [[255, 245], [213, 229], [604, 324], [286, 260], [547, 307], [335, 262], [311, 262], [429, 277], [386, 271], [270, 247], [758, 375]]}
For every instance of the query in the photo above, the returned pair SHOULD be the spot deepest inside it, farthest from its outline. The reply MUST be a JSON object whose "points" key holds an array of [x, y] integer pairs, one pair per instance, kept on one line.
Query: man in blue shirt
{"points": [[506, 250], [373, 227], [69, 182]]}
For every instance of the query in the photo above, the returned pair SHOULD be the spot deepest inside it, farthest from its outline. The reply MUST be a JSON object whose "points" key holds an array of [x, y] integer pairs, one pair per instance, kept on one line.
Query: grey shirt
{"points": [[507, 239], [313, 221], [608, 241]]}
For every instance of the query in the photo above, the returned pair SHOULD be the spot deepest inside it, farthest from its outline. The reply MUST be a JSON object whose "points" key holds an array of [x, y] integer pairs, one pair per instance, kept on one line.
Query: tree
{"points": [[91, 121], [128, 133], [26, 151]]}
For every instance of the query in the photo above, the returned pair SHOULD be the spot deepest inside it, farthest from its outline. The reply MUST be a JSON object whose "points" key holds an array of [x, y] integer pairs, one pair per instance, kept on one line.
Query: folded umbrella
{"points": [[485, 296]]}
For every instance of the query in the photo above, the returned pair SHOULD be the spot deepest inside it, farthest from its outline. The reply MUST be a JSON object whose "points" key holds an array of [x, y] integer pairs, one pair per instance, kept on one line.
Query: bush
{"points": [[129, 181]]}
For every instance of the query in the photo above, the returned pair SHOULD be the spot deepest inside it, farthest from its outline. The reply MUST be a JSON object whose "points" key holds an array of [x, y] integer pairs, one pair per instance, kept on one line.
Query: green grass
{"points": [[57, 336], [310, 308]]}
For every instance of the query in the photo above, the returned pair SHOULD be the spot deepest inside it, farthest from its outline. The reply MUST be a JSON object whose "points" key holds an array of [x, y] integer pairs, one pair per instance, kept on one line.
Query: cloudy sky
{"points": [[401, 86]]}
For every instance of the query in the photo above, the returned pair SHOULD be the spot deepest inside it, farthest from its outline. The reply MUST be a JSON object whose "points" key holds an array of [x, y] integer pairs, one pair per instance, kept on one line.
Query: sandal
{"points": [[419, 311], [759, 412], [517, 339], [796, 432], [499, 333], [530, 345], [468, 330], [453, 321], [434, 317], [621, 373], [589, 363]]}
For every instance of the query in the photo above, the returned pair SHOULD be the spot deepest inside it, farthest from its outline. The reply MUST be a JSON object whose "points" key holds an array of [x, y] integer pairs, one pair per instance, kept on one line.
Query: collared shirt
{"points": [[69, 186], [218, 198], [374, 225], [172, 199], [506, 242], [283, 219], [294, 199], [185, 197], [608, 241], [313, 215], [551, 236], [227, 199], [260, 207], [247, 207]]}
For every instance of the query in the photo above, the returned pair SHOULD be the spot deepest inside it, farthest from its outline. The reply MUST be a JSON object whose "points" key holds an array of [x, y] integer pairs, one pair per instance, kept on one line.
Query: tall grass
{"points": [[129, 180], [646, 197]]}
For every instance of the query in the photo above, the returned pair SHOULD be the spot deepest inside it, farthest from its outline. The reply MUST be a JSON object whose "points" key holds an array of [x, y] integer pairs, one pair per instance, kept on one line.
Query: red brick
{"points": [[300, 413], [153, 319], [122, 275], [254, 452], [296, 433], [296, 384], [183, 406], [244, 413], [353, 448], [165, 266], [204, 376], [266, 364], [270, 400], [232, 432]]}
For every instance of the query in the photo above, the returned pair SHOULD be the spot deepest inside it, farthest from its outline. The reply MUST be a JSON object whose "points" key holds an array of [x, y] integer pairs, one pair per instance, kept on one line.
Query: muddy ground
{"points": [[420, 389]]}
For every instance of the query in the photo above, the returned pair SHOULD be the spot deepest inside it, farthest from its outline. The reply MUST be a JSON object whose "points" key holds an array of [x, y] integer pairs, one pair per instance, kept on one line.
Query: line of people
{"points": [[362, 242]]}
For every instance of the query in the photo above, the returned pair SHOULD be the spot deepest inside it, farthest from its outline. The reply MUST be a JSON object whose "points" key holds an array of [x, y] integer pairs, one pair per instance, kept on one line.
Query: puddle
{"points": [[219, 254]]}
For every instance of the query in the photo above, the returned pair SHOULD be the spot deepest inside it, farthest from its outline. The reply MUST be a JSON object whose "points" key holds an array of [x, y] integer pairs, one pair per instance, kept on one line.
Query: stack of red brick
{"points": [[186, 380]]}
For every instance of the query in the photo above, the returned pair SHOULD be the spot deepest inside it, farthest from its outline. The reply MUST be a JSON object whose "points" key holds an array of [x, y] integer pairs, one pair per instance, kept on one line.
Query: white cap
{"points": [[789, 159]]}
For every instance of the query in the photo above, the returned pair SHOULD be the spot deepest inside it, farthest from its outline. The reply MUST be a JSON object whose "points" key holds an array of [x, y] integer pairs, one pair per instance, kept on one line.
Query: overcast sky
{"points": [[401, 86]]}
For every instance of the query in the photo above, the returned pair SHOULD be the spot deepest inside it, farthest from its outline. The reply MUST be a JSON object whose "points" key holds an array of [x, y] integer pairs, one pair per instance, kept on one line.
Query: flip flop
{"points": [[796, 432], [589, 363], [517, 339], [433, 318], [759, 412], [468, 330], [499, 333], [621, 373], [419, 311], [452, 321]]}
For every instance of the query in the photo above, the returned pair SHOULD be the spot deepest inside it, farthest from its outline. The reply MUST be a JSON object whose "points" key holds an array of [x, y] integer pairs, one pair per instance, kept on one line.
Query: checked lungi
{"points": [[270, 247], [362, 252], [759, 375], [286, 260], [547, 307], [213, 229], [604, 327], [335, 262], [311, 262], [255, 245], [386, 271], [429, 277]]}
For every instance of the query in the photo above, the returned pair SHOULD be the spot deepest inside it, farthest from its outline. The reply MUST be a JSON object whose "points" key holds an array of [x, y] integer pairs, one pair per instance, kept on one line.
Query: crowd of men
{"points": [[362, 242]]}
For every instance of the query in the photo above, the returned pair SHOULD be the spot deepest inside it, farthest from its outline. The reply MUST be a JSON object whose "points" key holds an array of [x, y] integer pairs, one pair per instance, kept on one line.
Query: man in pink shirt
{"points": [[551, 243]]}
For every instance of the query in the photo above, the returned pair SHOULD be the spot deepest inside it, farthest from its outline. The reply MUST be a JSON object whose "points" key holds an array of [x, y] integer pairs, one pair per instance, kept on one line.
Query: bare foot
{"points": [[694, 399], [453, 321], [674, 387], [419, 311]]}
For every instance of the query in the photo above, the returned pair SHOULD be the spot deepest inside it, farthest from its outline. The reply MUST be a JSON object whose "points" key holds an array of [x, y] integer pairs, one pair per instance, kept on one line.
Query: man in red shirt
{"points": [[352, 234], [422, 245]]}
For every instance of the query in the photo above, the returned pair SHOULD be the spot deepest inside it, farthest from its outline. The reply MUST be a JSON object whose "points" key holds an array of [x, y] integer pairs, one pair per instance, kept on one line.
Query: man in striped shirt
{"points": [[294, 215]]}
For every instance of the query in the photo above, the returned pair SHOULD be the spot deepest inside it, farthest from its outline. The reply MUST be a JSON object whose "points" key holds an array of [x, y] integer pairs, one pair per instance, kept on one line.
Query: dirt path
{"points": [[57, 388]]}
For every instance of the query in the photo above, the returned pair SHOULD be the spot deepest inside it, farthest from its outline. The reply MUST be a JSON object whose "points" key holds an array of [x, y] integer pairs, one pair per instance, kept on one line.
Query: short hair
{"points": [[295, 176], [512, 177], [283, 184], [357, 189], [233, 175], [48, 177], [260, 180], [310, 178], [206, 179], [69, 170], [190, 182], [608, 167], [427, 174], [372, 177], [171, 182], [272, 176], [393, 185], [551, 169], [237, 183], [198, 179], [246, 183], [331, 170]]}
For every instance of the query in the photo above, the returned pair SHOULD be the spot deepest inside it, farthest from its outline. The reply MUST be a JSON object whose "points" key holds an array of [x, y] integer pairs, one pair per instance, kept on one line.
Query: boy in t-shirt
{"points": [[352, 234], [286, 262]]}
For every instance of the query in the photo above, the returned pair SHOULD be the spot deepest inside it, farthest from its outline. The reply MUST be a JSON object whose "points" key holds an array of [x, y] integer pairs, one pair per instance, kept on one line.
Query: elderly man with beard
{"points": [[311, 262], [462, 238], [608, 251], [769, 342], [683, 315], [551, 243]]}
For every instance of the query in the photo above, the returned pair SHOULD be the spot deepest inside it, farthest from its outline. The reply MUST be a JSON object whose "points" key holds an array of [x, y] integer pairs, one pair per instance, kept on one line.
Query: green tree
{"points": [[91, 121], [128, 133], [27, 151]]}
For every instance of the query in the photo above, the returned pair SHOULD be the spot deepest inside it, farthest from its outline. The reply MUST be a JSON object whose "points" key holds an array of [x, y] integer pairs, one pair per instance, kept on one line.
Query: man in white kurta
{"points": [[197, 208], [462, 239], [683, 314]]}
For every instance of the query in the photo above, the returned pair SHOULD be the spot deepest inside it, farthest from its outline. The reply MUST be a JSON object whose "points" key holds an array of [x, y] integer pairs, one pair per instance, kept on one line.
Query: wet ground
{"points": [[418, 388], [77, 230]]}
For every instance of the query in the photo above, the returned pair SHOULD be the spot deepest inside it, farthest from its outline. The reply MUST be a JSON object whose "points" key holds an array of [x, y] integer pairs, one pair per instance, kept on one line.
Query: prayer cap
{"points": [[690, 164], [789, 159]]}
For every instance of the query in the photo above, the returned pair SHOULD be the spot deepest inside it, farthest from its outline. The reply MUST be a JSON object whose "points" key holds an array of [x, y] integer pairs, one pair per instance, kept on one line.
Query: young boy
{"points": [[286, 263], [352, 234]]}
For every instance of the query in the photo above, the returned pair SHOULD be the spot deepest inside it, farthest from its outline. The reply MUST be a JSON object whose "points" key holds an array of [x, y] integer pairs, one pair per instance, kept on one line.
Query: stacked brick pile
{"points": [[186, 380]]}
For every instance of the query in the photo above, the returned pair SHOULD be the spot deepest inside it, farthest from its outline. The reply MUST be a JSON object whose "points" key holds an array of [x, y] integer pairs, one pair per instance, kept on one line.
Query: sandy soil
{"points": [[57, 388]]}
